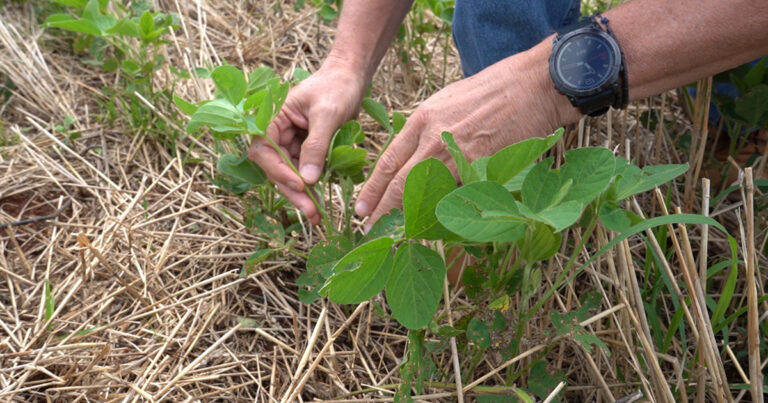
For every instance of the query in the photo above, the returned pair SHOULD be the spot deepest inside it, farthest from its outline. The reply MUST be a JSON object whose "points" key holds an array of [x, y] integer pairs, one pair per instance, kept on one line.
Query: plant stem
{"points": [[563, 274], [309, 190]]}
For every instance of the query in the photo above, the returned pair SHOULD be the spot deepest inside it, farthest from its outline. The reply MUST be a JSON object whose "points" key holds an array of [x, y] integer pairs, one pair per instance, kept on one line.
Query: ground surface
{"points": [[143, 259]]}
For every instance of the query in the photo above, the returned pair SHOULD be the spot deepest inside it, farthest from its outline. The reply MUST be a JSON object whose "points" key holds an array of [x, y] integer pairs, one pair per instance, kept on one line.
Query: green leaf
{"points": [[361, 274], [259, 78], [729, 287], [589, 340], [633, 180], [542, 187], [398, 122], [480, 166], [130, 67], [347, 160], [218, 113], [541, 244], [561, 216], [466, 172], [147, 25], [516, 184], [478, 332], [255, 258], [68, 23], [230, 83], [349, 134], [255, 99], [266, 227], [756, 73], [378, 112], [300, 74], [125, 27], [461, 212], [513, 159], [753, 106], [427, 183], [389, 225], [328, 14], [92, 12], [325, 255], [616, 218], [242, 169], [264, 114], [73, 3], [541, 383], [185, 107], [415, 286], [591, 170]]}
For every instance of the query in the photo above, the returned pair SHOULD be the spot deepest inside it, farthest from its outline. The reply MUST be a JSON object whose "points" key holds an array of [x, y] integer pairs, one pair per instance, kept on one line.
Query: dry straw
{"points": [[142, 254]]}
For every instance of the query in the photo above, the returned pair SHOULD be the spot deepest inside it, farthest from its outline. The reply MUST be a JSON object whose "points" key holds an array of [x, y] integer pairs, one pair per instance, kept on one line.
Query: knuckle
{"points": [[396, 188], [422, 115], [433, 144], [313, 145], [389, 163]]}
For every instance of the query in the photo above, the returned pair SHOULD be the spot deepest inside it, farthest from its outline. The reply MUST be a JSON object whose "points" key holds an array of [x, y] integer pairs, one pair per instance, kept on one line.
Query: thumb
{"points": [[322, 125]]}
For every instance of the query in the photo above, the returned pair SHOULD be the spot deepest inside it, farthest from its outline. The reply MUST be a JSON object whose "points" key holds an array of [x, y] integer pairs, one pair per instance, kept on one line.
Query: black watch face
{"points": [[585, 62]]}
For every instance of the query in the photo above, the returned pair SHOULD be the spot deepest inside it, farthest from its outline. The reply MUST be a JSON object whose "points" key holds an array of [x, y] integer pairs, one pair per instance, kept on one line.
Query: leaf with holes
{"points": [[361, 274]]}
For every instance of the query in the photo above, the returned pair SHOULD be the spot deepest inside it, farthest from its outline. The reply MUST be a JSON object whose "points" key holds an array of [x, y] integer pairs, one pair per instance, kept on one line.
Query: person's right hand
{"points": [[311, 114]]}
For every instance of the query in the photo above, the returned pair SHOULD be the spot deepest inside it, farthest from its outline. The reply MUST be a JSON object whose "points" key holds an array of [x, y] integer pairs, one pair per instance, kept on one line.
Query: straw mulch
{"points": [[142, 254]]}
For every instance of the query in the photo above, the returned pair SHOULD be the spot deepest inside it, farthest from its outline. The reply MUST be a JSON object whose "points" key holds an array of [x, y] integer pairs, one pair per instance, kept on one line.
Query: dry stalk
{"points": [[753, 324]]}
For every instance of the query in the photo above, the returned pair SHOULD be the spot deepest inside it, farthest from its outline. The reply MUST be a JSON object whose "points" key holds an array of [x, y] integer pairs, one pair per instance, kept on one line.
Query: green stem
{"points": [[563, 274], [309, 190]]}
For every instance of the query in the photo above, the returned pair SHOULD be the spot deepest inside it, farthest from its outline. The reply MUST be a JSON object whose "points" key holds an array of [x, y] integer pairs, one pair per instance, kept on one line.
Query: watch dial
{"points": [[584, 61]]}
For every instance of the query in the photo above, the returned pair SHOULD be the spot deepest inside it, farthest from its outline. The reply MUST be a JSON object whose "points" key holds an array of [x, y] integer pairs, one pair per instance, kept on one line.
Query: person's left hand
{"points": [[499, 106]]}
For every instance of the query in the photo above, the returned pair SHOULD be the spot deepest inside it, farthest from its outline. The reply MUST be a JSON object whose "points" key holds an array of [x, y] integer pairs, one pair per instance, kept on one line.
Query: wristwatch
{"points": [[587, 66]]}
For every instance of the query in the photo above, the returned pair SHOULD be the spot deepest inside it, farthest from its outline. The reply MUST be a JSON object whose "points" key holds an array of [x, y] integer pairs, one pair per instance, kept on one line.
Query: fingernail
{"points": [[295, 186], [361, 208], [310, 173]]}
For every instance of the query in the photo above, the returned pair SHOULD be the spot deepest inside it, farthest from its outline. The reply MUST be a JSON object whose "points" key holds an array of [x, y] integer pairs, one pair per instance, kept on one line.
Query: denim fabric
{"points": [[486, 31]]}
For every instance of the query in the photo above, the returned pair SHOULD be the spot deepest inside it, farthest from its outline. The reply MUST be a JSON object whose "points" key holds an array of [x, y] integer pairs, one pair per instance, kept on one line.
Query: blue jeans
{"points": [[486, 31]]}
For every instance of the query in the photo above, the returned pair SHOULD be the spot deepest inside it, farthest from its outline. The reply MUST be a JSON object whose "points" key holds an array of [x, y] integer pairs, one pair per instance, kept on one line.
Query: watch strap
{"points": [[582, 23], [623, 99]]}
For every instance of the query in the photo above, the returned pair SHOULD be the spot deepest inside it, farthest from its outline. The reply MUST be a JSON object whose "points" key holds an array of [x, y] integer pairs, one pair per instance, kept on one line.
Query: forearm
{"points": [[366, 29], [666, 45], [672, 43]]}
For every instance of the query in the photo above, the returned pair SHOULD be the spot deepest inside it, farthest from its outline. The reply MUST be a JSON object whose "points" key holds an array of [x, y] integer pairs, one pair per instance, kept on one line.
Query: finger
{"points": [[282, 129], [322, 123], [387, 167], [273, 165], [302, 202]]}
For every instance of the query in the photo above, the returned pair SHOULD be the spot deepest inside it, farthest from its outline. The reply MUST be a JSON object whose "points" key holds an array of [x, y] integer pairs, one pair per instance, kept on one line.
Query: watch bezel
{"points": [[610, 79]]}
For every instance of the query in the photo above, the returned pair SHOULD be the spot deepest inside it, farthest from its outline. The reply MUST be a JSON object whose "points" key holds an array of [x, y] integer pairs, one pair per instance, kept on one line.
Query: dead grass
{"points": [[144, 259]]}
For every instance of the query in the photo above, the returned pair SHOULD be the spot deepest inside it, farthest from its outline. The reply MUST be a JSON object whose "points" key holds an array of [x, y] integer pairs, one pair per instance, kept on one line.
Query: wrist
{"points": [[351, 66], [530, 69]]}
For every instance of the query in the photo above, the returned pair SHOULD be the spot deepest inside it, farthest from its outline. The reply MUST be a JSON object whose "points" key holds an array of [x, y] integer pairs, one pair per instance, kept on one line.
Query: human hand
{"points": [[505, 103], [303, 129]]}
